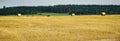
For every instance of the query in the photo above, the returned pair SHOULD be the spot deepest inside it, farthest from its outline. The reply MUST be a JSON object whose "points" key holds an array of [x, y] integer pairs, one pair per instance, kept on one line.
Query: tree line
{"points": [[68, 9]]}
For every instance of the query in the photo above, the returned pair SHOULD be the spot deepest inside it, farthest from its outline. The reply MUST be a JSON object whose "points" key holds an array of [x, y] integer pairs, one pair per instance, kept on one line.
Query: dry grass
{"points": [[60, 28]]}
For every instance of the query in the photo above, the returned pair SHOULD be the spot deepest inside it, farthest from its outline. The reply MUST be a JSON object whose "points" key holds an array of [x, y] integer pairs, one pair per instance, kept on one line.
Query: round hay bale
{"points": [[19, 14], [73, 14], [103, 14]]}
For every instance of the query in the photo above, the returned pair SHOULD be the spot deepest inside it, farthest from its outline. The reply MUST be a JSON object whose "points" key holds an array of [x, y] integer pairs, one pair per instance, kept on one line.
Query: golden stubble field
{"points": [[60, 28]]}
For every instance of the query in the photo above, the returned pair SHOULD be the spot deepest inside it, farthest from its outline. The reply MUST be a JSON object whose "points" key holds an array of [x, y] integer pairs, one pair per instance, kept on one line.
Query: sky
{"points": [[12, 3]]}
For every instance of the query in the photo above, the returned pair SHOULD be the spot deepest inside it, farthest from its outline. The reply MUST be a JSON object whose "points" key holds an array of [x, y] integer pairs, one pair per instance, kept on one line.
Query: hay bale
{"points": [[19, 14], [73, 14], [103, 14]]}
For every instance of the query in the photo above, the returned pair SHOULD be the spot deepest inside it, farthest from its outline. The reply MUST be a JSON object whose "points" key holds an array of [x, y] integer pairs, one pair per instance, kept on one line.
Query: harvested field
{"points": [[60, 28]]}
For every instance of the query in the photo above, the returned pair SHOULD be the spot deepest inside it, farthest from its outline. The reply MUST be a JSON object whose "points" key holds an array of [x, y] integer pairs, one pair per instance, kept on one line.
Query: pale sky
{"points": [[11, 3]]}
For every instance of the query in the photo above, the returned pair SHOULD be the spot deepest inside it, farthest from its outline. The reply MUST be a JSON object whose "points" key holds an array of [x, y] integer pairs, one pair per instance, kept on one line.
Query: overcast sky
{"points": [[9, 3]]}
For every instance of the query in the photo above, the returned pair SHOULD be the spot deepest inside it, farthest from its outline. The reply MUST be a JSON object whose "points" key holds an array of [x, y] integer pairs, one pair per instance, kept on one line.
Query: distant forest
{"points": [[68, 9]]}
